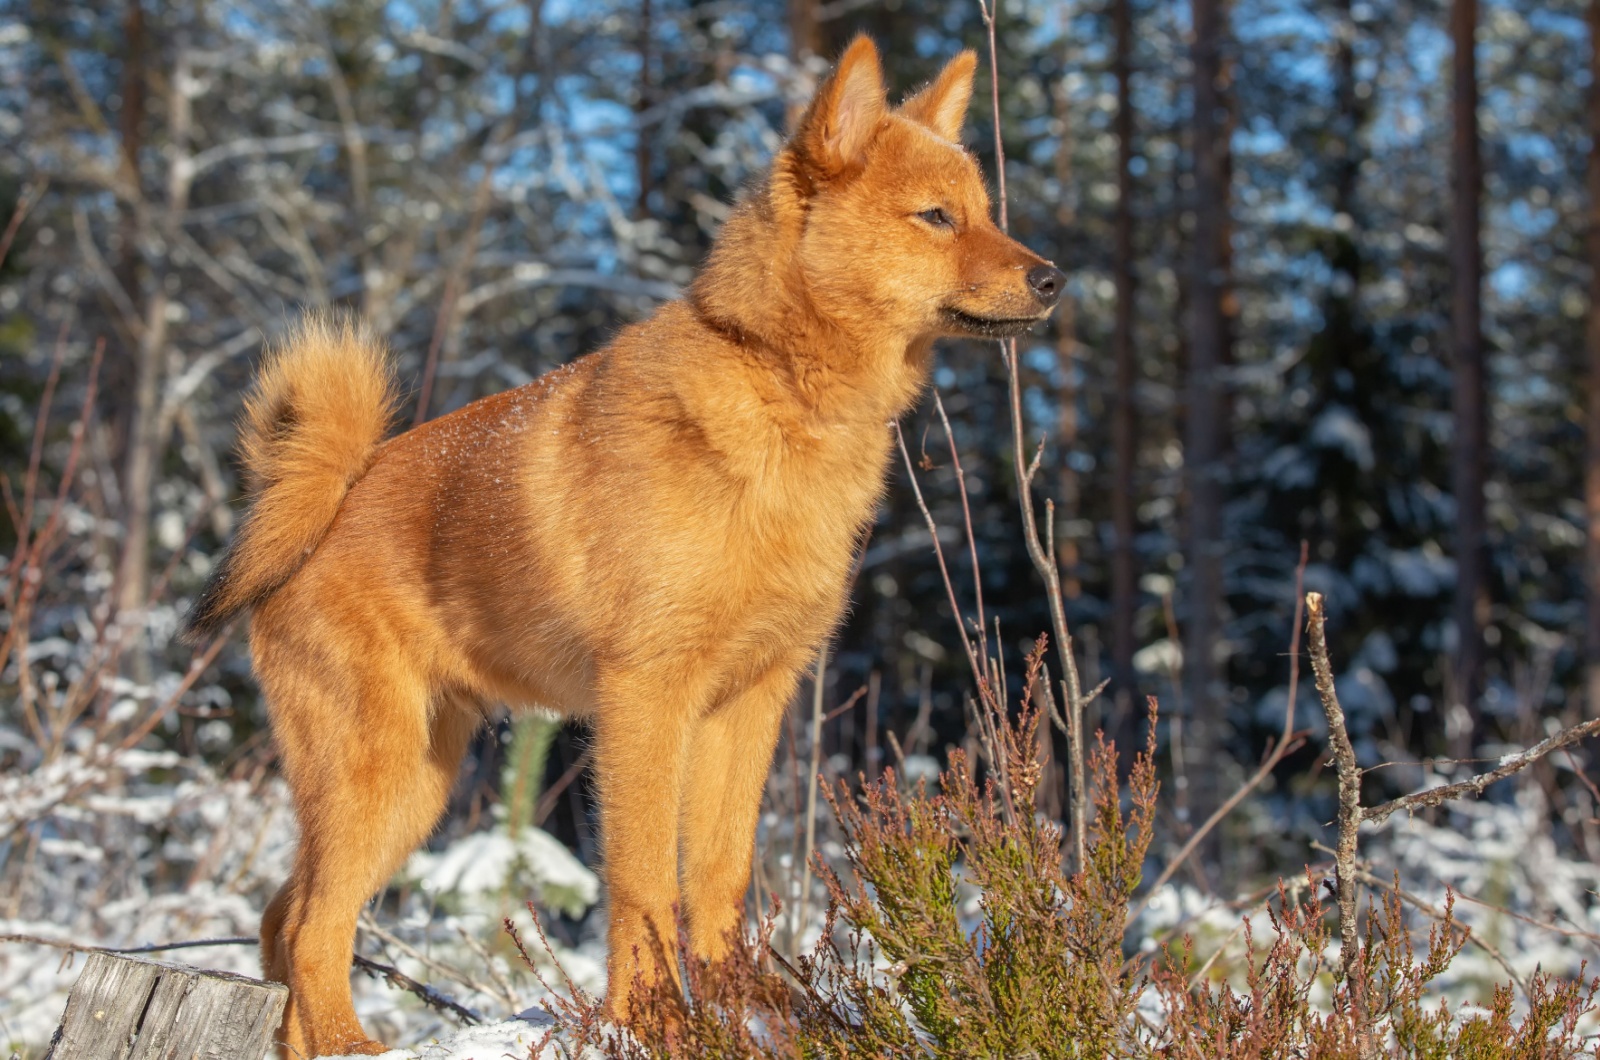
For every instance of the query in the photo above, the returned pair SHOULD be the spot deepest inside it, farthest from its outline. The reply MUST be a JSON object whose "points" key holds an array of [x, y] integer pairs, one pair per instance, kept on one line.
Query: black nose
{"points": [[1046, 282]]}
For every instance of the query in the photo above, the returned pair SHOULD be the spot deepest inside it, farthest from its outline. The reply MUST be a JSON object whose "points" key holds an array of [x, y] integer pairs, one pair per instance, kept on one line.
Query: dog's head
{"points": [[897, 230]]}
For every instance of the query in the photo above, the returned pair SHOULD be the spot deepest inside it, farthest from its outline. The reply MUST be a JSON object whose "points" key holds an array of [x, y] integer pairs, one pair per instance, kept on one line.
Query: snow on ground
{"points": [[1535, 907], [515, 1038], [140, 849], [132, 848]]}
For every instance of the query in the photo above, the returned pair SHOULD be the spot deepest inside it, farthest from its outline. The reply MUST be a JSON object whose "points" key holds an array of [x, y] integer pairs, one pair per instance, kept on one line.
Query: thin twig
{"points": [[1043, 562], [428, 995], [966, 509], [25, 202], [369, 925], [803, 908], [160, 947], [847, 706], [1575, 933], [394, 976], [547, 801], [938, 552]]}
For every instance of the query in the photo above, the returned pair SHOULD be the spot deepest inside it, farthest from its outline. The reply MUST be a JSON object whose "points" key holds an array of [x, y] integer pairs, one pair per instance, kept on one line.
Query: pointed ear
{"points": [[845, 114], [942, 106]]}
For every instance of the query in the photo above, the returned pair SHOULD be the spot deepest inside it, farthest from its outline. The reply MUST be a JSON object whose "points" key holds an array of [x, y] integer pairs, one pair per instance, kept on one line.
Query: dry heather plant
{"points": [[956, 932], [1382, 1008], [1035, 961]]}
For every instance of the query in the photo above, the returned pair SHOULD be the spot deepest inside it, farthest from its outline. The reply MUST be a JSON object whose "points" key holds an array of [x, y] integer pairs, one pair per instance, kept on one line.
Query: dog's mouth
{"points": [[961, 323]]}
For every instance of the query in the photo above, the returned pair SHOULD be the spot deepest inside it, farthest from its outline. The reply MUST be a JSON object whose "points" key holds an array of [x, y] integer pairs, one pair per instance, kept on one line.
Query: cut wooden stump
{"points": [[126, 1008]]}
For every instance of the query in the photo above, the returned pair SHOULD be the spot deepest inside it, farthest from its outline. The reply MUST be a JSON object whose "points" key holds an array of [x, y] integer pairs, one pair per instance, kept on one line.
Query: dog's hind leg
{"points": [[274, 961], [369, 778]]}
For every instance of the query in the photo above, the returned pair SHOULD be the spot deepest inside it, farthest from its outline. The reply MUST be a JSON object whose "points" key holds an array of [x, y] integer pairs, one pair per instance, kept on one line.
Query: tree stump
{"points": [[124, 1008]]}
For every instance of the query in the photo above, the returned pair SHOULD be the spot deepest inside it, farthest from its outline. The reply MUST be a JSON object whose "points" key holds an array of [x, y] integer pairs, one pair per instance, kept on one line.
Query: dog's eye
{"points": [[937, 218]]}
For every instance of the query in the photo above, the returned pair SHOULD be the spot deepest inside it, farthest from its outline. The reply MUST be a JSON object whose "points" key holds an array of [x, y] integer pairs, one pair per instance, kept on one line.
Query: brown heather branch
{"points": [[516, 940], [31, 558], [1276, 754], [1438, 914]]}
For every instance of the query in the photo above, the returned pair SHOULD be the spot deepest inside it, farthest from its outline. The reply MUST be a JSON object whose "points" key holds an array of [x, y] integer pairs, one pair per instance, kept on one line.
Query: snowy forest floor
{"points": [[150, 848]]}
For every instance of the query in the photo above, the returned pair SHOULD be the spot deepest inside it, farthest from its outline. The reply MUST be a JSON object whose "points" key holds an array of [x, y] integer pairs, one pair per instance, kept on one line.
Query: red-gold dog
{"points": [[655, 538]]}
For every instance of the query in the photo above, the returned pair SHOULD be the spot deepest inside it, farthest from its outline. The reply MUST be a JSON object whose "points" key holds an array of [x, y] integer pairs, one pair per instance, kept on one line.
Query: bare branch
{"points": [[803, 909], [127, 316], [1508, 766], [390, 974], [1344, 759], [966, 507], [938, 551], [253, 146], [536, 274], [25, 202], [1043, 562]]}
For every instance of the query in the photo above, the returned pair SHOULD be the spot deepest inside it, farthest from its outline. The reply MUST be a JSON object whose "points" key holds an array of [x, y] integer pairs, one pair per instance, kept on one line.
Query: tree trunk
{"points": [[121, 372], [145, 441], [1348, 118], [1591, 481], [642, 159], [1123, 414], [1207, 410], [806, 40], [1467, 339], [127, 1007], [805, 30], [1068, 491]]}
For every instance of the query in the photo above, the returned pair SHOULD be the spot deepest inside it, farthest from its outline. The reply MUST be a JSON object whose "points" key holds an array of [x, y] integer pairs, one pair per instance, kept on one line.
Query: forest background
{"points": [[1333, 278]]}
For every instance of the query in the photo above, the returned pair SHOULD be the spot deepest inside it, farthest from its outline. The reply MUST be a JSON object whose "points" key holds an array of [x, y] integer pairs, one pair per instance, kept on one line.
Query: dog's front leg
{"points": [[730, 754], [641, 745]]}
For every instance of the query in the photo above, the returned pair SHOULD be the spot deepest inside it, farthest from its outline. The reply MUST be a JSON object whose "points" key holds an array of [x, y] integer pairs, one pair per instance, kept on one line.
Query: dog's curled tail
{"points": [[322, 404]]}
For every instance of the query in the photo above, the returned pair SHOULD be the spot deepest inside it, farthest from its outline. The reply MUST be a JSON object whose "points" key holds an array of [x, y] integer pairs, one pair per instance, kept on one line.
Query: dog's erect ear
{"points": [[846, 112], [942, 106]]}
